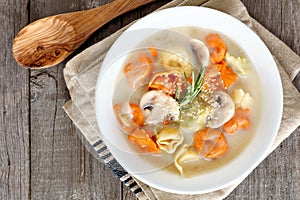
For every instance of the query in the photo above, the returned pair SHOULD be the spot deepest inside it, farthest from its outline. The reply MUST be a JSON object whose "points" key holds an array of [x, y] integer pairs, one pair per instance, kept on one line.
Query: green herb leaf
{"points": [[192, 90]]}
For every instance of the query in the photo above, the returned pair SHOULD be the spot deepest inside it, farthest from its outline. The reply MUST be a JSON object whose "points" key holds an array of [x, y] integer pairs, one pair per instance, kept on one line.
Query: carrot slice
{"points": [[143, 140], [211, 143], [216, 46], [138, 74], [145, 60], [227, 74], [153, 51], [124, 119], [166, 122], [138, 116], [239, 120], [129, 67], [231, 127], [129, 116]]}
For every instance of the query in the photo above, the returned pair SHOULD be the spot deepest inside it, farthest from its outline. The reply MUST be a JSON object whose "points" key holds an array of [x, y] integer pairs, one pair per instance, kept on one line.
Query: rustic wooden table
{"points": [[41, 154]]}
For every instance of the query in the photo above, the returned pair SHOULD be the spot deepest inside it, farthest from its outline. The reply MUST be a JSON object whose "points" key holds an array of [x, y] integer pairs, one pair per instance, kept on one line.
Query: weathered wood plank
{"points": [[278, 176], [280, 17], [14, 129], [61, 167]]}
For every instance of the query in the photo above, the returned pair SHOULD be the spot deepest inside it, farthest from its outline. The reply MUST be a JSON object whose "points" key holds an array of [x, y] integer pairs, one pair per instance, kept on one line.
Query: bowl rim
{"points": [[195, 11]]}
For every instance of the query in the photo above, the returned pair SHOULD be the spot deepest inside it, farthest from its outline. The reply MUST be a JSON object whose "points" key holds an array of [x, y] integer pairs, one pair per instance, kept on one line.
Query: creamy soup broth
{"points": [[237, 142]]}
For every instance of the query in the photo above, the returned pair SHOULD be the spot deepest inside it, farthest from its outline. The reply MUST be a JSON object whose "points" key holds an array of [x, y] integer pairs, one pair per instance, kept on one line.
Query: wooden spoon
{"points": [[50, 40]]}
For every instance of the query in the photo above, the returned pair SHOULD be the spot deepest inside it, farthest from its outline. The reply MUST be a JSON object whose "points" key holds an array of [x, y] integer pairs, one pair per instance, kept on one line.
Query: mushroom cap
{"points": [[159, 107], [222, 109], [201, 52]]}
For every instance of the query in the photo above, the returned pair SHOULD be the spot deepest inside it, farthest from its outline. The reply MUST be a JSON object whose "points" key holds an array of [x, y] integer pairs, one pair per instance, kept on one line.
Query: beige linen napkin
{"points": [[81, 75]]}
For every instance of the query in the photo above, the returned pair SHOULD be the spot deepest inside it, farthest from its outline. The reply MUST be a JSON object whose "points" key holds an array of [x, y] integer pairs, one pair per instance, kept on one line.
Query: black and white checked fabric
{"points": [[116, 168]]}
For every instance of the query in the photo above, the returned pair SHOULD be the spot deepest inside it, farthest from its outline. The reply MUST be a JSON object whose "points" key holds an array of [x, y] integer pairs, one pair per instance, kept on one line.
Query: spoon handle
{"points": [[89, 21], [48, 41]]}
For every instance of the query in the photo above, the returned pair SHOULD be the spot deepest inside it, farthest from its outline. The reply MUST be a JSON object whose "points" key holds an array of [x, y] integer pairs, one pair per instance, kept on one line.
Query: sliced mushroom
{"points": [[201, 52], [138, 93], [222, 109], [159, 107]]}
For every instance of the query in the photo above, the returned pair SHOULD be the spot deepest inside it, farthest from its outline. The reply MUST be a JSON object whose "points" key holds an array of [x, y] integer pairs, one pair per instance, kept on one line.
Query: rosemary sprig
{"points": [[193, 89]]}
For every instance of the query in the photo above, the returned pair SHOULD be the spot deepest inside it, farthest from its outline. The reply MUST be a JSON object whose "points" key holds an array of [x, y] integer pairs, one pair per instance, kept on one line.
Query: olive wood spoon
{"points": [[50, 40]]}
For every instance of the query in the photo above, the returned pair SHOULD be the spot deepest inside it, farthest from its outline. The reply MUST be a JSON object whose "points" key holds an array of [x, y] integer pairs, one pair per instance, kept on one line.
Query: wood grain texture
{"points": [[277, 177], [48, 41], [61, 168], [42, 155], [14, 126], [56, 153]]}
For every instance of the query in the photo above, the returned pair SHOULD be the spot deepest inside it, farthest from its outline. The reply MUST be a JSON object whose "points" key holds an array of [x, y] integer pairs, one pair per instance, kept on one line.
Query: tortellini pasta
{"points": [[240, 64], [242, 99], [174, 61], [184, 156], [169, 138]]}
